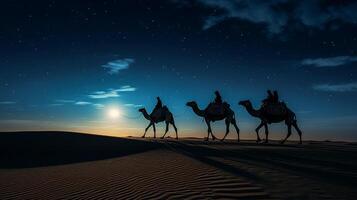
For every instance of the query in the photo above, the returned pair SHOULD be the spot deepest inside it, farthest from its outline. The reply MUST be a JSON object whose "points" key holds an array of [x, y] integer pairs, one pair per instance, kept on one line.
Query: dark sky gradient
{"points": [[53, 53]]}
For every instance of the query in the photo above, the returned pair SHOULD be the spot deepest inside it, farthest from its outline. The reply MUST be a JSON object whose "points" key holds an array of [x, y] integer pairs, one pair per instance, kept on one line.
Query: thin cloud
{"points": [[272, 14], [86, 103], [348, 87], [104, 94], [7, 102], [133, 105], [64, 101], [253, 11], [117, 65], [61, 102], [330, 61], [126, 88], [56, 104], [111, 93], [82, 103], [98, 105]]}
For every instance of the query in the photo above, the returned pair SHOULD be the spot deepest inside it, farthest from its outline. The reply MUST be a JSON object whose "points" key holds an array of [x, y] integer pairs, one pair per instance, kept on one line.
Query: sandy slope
{"points": [[156, 174], [186, 169]]}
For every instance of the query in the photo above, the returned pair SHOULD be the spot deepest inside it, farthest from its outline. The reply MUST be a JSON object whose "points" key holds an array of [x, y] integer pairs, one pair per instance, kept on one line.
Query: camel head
{"points": [[191, 103], [245, 103]]}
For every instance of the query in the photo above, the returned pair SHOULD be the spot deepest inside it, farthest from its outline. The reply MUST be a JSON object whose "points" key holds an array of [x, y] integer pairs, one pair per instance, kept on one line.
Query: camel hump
{"points": [[218, 109], [160, 112], [276, 109], [226, 105]]}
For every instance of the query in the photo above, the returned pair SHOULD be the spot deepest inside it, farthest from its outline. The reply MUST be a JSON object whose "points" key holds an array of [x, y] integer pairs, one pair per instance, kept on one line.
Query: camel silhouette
{"points": [[274, 113], [159, 115], [211, 114]]}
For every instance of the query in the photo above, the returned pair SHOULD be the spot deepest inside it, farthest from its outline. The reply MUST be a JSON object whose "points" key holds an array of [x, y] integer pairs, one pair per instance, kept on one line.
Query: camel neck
{"points": [[252, 111], [146, 115], [198, 111]]}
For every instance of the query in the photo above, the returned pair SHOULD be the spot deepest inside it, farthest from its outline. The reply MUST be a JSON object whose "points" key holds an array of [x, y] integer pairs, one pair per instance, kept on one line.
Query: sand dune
{"points": [[186, 169], [34, 149]]}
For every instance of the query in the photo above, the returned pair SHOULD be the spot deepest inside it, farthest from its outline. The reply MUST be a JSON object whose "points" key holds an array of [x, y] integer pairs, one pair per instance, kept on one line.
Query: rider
{"points": [[158, 104], [218, 99], [271, 98], [276, 97], [219, 104]]}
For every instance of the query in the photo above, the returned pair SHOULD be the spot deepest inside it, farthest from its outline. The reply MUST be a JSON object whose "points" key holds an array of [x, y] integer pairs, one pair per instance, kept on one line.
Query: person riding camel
{"points": [[218, 99], [156, 113], [158, 104], [272, 98], [218, 105], [275, 97], [273, 104]]}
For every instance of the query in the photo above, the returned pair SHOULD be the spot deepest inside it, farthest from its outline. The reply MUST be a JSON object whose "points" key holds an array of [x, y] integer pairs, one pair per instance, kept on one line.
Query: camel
{"points": [[210, 115], [282, 113], [160, 115]]}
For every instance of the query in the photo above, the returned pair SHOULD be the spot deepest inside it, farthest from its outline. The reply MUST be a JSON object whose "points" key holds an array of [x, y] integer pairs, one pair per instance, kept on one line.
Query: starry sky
{"points": [[63, 64]]}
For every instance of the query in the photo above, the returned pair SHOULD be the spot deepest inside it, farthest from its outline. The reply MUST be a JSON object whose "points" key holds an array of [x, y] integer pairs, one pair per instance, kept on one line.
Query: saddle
{"points": [[275, 109], [159, 113], [218, 109]]}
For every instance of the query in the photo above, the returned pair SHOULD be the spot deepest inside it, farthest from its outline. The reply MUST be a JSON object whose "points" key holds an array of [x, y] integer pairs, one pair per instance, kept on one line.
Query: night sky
{"points": [[64, 64]]}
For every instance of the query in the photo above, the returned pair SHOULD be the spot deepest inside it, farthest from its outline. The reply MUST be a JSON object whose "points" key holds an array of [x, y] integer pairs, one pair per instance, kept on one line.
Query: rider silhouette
{"points": [[273, 105], [218, 99], [158, 104], [271, 98], [276, 97]]}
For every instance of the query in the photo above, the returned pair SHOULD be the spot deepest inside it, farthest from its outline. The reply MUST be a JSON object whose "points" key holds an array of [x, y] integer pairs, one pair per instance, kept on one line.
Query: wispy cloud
{"points": [[7, 102], [86, 103], [330, 61], [64, 101], [104, 94], [126, 88], [82, 103], [110, 93], [253, 11], [133, 105], [270, 13], [61, 102], [56, 104], [117, 65], [348, 87]]}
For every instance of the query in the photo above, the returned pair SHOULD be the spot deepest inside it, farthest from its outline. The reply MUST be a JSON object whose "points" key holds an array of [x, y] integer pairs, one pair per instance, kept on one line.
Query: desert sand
{"points": [[62, 165]]}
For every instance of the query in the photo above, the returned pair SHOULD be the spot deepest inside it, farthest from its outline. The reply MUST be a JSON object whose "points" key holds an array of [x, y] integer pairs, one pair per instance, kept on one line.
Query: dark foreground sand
{"points": [[58, 165]]}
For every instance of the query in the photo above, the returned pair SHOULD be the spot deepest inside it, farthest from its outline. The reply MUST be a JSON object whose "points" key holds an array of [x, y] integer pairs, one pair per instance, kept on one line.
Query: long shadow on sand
{"points": [[297, 160], [35, 149], [203, 154]]}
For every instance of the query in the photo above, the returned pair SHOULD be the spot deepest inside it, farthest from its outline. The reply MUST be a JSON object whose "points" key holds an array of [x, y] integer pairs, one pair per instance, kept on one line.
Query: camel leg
{"points": [[146, 129], [173, 124], [298, 130], [227, 128], [266, 133], [288, 135], [209, 130], [236, 127], [257, 130], [213, 137], [153, 126], [166, 130]]}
